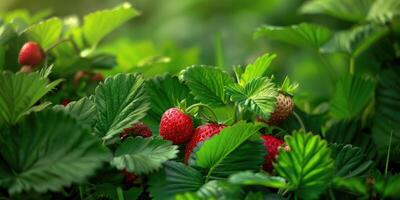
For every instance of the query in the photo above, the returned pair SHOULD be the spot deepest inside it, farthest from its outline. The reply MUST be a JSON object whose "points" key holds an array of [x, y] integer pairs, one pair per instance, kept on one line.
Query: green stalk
{"points": [[388, 153], [299, 121]]}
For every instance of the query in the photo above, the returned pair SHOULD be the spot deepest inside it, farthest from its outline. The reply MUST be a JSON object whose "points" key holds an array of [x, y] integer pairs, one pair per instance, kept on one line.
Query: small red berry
{"points": [[79, 75], [201, 134], [65, 102], [272, 145], [31, 54], [139, 129], [129, 177], [176, 126], [97, 77]]}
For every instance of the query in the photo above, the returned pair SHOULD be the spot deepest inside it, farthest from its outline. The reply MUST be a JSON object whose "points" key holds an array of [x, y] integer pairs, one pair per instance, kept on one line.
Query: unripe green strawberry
{"points": [[139, 129], [283, 109], [272, 145], [31, 54], [201, 134], [176, 126]]}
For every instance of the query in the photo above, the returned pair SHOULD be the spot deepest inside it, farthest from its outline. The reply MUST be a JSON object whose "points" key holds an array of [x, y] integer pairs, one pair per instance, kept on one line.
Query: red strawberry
{"points": [[31, 54], [272, 145], [65, 102], [97, 77], [202, 133], [138, 128], [129, 177], [176, 126]]}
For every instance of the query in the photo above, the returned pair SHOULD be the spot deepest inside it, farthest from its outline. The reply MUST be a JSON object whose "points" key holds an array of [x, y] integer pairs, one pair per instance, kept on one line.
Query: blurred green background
{"points": [[172, 34]]}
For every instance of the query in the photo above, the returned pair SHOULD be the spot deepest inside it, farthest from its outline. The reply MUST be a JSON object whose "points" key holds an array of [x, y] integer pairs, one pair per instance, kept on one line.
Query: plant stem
{"points": [[388, 153], [300, 121], [331, 195], [81, 192], [351, 65], [203, 106], [120, 194]]}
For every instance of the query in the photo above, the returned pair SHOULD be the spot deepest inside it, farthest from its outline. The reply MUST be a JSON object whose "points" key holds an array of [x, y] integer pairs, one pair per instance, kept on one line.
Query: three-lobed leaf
{"points": [[307, 166], [120, 101], [48, 151], [143, 155], [257, 69], [207, 84], [257, 96]]}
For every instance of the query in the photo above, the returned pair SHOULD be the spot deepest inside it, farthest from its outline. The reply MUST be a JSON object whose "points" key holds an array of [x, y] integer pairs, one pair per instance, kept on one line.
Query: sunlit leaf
{"points": [[305, 35], [234, 149], [257, 96], [46, 33], [257, 69], [351, 10], [263, 179], [100, 23], [207, 84], [307, 166]]}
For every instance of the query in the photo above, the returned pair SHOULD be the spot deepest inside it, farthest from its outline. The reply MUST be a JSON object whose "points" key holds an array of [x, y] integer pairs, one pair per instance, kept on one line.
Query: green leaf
{"points": [[351, 132], [355, 41], [387, 113], [384, 11], [120, 102], [228, 152], [207, 84], [220, 190], [255, 196], [7, 33], [349, 161], [165, 92], [263, 179], [354, 185], [304, 34], [100, 23], [46, 33], [173, 179], [48, 151], [83, 110], [110, 191], [257, 96], [257, 69], [143, 155], [351, 95], [351, 10], [308, 165], [19, 92], [389, 186]]}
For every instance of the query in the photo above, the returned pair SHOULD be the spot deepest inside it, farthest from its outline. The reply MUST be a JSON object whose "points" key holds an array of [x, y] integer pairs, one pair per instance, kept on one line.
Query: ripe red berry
{"points": [[31, 54], [272, 145], [201, 134], [138, 128], [176, 126], [129, 177], [65, 102]]}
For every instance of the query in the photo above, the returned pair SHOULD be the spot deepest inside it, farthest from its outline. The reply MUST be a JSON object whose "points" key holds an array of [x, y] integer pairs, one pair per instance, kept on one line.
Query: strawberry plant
{"points": [[71, 128]]}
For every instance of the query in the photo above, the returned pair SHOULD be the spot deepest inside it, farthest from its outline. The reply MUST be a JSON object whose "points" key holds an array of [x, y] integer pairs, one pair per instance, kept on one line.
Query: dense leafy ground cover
{"points": [[206, 132]]}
